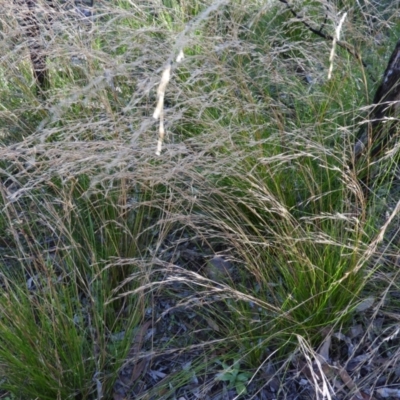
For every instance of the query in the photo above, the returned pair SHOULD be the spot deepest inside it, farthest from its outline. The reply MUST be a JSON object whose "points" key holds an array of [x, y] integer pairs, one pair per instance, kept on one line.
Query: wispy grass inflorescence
{"points": [[238, 256]]}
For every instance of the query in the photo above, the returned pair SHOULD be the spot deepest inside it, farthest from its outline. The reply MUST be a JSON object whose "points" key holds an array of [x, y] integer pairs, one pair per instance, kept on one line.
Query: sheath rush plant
{"points": [[220, 266]]}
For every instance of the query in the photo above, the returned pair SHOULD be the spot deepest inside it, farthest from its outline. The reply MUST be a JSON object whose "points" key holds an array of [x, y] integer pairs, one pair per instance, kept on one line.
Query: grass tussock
{"points": [[246, 258]]}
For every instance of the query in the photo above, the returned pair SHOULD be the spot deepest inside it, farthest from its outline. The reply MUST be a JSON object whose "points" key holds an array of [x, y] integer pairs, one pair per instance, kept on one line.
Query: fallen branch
{"points": [[348, 47]]}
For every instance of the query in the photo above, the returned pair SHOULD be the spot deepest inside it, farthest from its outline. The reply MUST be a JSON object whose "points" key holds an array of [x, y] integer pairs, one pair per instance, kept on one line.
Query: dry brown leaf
{"points": [[323, 353], [139, 366], [347, 379], [134, 352], [389, 392], [212, 324], [350, 384], [365, 304]]}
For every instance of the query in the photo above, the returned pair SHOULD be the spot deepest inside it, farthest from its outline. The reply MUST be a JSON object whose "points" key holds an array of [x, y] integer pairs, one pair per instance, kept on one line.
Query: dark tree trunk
{"points": [[383, 123], [27, 11]]}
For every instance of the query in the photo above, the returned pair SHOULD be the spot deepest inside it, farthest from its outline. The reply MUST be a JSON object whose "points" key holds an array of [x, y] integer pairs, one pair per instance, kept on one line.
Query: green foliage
{"points": [[234, 376], [57, 330]]}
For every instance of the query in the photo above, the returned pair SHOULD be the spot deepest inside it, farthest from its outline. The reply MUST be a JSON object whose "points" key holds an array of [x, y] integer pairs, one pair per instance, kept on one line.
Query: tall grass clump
{"points": [[240, 249], [66, 253]]}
